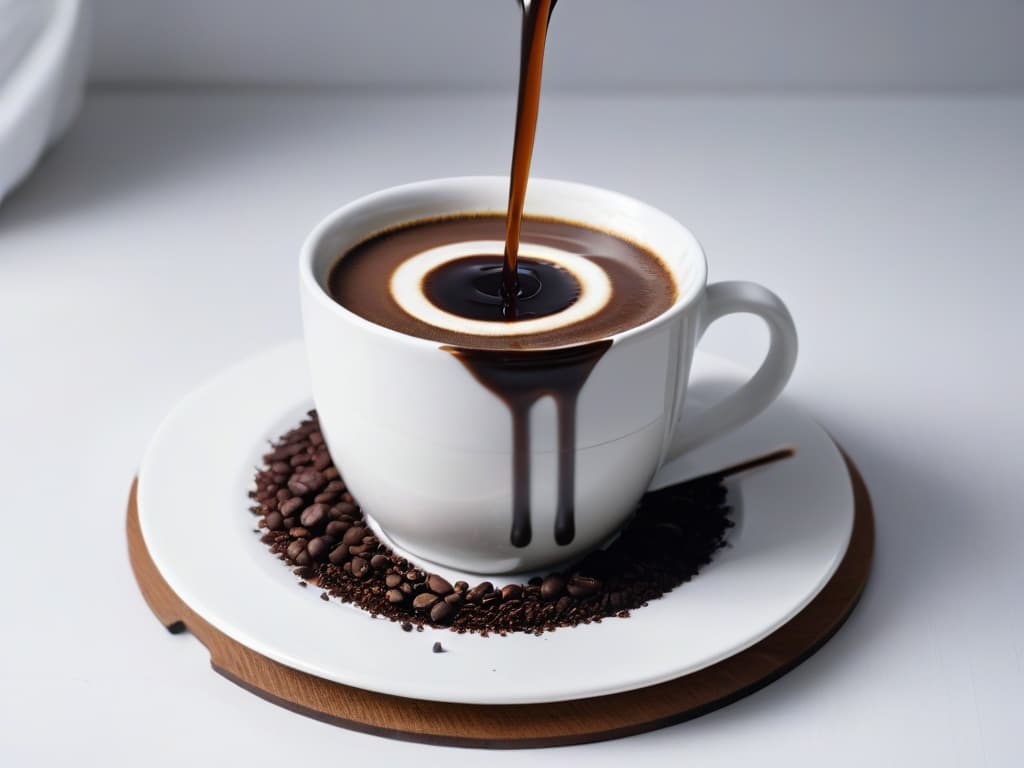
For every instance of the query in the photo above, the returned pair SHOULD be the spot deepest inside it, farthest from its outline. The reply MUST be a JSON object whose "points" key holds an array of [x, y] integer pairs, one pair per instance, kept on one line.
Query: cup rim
{"points": [[313, 287]]}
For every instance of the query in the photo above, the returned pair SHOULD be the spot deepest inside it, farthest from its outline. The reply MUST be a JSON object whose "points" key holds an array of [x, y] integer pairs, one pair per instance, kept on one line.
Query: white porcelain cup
{"points": [[427, 450]]}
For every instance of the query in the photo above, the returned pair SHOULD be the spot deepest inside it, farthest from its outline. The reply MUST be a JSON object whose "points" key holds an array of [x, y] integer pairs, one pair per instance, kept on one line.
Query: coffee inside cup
{"points": [[439, 279]]}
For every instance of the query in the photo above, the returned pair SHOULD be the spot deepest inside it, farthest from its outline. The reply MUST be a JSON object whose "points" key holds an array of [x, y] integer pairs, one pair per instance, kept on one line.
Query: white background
{"points": [[158, 243], [598, 44]]}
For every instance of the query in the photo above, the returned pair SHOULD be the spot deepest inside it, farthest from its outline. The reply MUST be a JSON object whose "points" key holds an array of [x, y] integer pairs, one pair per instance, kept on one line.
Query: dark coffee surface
{"points": [[473, 287], [642, 287]]}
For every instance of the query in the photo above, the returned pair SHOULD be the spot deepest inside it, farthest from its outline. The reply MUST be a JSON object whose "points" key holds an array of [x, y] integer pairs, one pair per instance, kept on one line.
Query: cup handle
{"points": [[765, 385]]}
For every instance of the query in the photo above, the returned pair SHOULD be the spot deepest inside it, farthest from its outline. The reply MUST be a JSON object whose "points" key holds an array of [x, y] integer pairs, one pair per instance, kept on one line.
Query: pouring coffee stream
{"points": [[536, 14]]}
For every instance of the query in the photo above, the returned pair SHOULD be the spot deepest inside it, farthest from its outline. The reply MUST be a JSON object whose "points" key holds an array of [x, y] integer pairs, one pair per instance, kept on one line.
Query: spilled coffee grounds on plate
{"points": [[312, 522]]}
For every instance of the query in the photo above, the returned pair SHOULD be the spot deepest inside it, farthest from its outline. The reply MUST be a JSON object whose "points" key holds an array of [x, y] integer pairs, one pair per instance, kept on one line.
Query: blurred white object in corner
{"points": [[43, 63]]}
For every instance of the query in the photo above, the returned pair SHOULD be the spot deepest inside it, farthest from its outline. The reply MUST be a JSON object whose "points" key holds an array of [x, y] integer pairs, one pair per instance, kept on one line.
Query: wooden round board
{"points": [[526, 725]]}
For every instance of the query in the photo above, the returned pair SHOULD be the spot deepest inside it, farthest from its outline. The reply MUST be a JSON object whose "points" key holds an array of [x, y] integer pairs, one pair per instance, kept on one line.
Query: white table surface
{"points": [[158, 243]]}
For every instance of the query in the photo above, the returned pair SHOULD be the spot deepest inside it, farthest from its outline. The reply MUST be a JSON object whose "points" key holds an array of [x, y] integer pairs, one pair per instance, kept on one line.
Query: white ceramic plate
{"points": [[794, 521]]}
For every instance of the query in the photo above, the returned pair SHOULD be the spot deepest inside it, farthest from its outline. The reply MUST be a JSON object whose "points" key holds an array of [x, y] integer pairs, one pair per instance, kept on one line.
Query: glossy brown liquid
{"points": [[536, 14], [520, 379], [471, 287]]}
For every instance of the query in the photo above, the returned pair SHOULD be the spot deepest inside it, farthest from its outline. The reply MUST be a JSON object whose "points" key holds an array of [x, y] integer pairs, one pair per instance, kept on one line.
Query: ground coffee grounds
{"points": [[314, 524]]}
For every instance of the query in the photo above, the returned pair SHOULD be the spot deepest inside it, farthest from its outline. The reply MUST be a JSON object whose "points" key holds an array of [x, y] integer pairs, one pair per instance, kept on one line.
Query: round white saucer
{"points": [[794, 521]]}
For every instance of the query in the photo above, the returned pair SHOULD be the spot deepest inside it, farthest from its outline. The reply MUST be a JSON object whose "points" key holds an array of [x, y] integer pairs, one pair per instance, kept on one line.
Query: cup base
{"points": [[508, 570]]}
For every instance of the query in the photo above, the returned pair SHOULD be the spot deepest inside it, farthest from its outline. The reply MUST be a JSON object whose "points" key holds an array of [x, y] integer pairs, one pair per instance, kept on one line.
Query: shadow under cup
{"points": [[426, 446]]}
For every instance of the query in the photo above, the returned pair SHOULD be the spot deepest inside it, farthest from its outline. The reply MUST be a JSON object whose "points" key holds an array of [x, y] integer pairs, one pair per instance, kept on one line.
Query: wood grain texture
{"points": [[525, 725]]}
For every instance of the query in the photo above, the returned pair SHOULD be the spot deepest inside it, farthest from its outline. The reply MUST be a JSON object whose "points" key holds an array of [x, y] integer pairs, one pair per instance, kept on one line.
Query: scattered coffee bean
{"points": [[441, 612], [476, 594], [438, 585], [338, 555], [552, 587], [583, 586], [336, 528], [291, 506], [353, 536], [319, 547], [306, 481], [297, 546], [438, 648], [673, 534], [312, 516], [511, 592], [423, 601]]}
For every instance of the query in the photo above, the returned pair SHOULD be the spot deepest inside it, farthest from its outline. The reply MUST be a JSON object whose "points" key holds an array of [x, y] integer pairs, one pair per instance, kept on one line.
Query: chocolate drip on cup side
{"points": [[520, 379]]}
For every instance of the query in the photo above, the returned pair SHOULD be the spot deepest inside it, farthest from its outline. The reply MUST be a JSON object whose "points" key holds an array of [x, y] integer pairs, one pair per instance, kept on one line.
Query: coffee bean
{"points": [[312, 516], [475, 595], [437, 648], [319, 547], [454, 599], [283, 494], [303, 558], [297, 546], [359, 567], [289, 522], [406, 588], [491, 598], [438, 585], [321, 461], [406, 626], [511, 592], [461, 586], [291, 506], [315, 438], [395, 596], [325, 497], [392, 580], [336, 528], [300, 460], [353, 536], [307, 481], [331, 473], [344, 508], [380, 562], [274, 521], [441, 612], [423, 601], [552, 587], [338, 555], [413, 576], [298, 532], [583, 586], [280, 467]]}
